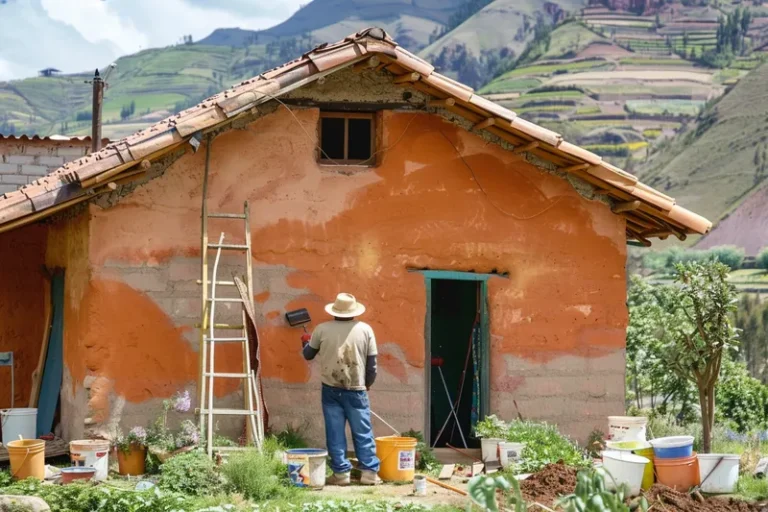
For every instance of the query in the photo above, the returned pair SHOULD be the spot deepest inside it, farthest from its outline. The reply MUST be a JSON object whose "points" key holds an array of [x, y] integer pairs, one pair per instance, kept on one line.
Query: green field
{"points": [[565, 67], [665, 107], [515, 85], [634, 61]]}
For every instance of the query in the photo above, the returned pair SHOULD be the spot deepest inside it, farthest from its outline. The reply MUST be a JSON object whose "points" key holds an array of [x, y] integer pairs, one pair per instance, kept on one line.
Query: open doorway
{"points": [[454, 351]]}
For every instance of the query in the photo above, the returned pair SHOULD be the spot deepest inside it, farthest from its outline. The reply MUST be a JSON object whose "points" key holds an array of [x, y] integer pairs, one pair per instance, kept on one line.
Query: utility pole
{"points": [[98, 100]]}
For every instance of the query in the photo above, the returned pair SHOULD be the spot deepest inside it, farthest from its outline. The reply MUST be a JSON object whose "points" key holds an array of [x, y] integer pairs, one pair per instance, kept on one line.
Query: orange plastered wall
{"points": [[359, 230], [23, 284]]}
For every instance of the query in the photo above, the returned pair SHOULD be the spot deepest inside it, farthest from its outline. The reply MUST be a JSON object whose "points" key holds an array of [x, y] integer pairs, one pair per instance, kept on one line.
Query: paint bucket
{"points": [[627, 446], [648, 474], [509, 453], [420, 485], [679, 474], [18, 422], [306, 467], [76, 473], [625, 469], [627, 428], [398, 458], [27, 458], [91, 453], [489, 448], [718, 472], [675, 447]]}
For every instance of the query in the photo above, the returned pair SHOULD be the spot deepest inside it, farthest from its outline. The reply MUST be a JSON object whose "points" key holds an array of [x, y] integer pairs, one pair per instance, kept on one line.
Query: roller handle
{"points": [[437, 361]]}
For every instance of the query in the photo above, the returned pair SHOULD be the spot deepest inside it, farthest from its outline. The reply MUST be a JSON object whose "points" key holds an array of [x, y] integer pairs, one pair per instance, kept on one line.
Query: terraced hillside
{"points": [[717, 167]]}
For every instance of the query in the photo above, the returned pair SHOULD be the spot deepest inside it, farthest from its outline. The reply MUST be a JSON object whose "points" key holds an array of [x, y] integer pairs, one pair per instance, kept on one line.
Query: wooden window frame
{"points": [[368, 162]]}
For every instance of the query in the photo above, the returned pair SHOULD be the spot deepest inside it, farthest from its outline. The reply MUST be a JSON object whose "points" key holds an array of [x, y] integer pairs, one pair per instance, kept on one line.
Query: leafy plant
{"points": [[258, 476], [191, 473], [696, 353], [491, 427], [482, 491], [161, 437], [425, 457], [762, 258], [591, 495], [291, 437], [544, 444], [595, 443], [742, 401], [136, 437]]}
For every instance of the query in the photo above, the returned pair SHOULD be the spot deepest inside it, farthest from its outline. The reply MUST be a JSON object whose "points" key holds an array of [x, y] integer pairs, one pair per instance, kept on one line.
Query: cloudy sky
{"points": [[79, 35]]}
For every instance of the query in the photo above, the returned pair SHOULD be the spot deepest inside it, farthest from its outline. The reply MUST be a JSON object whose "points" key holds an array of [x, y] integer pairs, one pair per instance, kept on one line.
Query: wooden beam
{"points": [[626, 206], [107, 176], [574, 168], [527, 147], [602, 192], [407, 78], [662, 234], [112, 185], [448, 102], [637, 236], [372, 62], [484, 124]]}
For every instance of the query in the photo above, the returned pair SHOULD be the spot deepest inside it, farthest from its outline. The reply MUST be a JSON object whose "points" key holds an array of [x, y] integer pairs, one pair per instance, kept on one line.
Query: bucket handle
{"points": [[22, 464], [713, 470]]}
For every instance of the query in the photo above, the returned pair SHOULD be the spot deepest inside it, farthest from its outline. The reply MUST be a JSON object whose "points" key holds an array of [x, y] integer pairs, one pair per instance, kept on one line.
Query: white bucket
{"points": [[720, 480], [490, 449], [509, 453], [18, 422], [306, 467], [625, 468], [627, 428], [91, 453]]}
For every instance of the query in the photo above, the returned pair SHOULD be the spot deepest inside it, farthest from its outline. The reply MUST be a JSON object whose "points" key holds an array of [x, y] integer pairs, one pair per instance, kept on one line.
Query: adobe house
{"points": [[368, 172]]}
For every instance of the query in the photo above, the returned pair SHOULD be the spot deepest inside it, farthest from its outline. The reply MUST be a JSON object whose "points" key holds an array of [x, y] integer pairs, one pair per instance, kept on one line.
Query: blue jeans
{"points": [[340, 406]]}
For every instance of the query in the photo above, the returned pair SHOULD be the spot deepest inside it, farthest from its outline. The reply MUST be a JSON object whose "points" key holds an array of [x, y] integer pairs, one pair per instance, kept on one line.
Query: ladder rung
{"points": [[228, 375], [218, 283], [226, 216], [230, 412], [222, 327], [233, 247], [225, 340], [225, 299]]}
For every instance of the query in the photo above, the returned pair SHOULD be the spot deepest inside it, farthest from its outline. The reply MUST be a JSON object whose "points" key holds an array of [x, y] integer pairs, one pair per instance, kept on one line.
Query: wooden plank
{"points": [[626, 206], [37, 375], [446, 472], [407, 78]]}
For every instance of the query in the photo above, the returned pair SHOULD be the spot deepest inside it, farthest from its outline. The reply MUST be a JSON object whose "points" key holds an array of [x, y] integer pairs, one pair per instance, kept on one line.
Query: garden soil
{"points": [[664, 498], [546, 486]]}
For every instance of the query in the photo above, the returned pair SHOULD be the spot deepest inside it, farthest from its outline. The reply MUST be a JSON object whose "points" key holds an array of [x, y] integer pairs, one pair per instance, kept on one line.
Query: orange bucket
{"points": [[27, 458], [679, 474]]}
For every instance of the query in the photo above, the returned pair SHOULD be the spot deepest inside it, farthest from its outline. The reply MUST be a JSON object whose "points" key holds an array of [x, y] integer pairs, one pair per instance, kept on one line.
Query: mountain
{"points": [[410, 22], [716, 168]]}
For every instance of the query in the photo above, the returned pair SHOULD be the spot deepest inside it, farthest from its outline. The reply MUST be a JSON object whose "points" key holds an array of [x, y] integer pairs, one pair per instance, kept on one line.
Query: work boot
{"points": [[338, 479], [369, 478]]}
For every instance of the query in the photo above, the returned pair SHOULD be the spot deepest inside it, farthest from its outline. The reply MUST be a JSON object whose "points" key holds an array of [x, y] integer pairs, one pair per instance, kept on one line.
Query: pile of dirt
{"points": [[661, 497], [549, 484]]}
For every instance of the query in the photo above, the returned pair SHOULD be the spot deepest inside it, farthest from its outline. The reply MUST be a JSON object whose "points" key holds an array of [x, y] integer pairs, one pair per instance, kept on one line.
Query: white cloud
{"points": [[79, 35]]}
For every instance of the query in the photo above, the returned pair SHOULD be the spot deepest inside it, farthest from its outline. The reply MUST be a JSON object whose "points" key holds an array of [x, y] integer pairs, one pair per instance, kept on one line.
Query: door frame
{"points": [[485, 337]]}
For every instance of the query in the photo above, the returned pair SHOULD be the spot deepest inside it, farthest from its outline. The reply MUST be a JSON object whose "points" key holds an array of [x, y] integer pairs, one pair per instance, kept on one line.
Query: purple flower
{"points": [[138, 434], [188, 435], [182, 402]]}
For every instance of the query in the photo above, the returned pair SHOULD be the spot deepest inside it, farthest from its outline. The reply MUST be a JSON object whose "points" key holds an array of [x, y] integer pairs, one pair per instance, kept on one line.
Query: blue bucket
{"points": [[306, 467], [677, 447]]}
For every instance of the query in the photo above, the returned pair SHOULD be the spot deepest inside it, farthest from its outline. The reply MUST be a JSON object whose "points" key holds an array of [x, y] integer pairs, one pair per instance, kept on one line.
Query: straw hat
{"points": [[345, 306]]}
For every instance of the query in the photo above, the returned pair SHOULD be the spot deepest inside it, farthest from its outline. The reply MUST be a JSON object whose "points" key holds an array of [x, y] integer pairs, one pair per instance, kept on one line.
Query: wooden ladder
{"points": [[210, 336]]}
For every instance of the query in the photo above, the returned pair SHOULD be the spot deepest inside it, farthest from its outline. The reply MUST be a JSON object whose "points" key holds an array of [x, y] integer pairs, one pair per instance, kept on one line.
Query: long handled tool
{"points": [[438, 363]]}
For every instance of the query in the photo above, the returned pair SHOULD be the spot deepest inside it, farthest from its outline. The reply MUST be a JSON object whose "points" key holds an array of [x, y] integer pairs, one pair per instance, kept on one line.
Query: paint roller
{"points": [[299, 317]]}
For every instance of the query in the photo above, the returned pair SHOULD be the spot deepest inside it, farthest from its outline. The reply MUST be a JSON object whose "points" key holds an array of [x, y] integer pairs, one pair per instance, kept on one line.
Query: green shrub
{"points": [[80, 497], [292, 438], [258, 476], [491, 427], [742, 401], [728, 255], [762, 258], [191, 473], [544, 444]]}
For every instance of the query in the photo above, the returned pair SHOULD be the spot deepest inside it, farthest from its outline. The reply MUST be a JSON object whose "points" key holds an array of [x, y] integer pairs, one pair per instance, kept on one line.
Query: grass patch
{"points": [[654, 62], [547, 69], [544, 108], [259, 476], [502, 85], [652, 133], [585, 110], [751, 488]]}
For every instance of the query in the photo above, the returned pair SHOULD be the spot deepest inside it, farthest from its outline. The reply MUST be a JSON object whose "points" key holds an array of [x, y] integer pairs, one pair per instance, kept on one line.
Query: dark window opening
{"points": [[346, 138]]}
